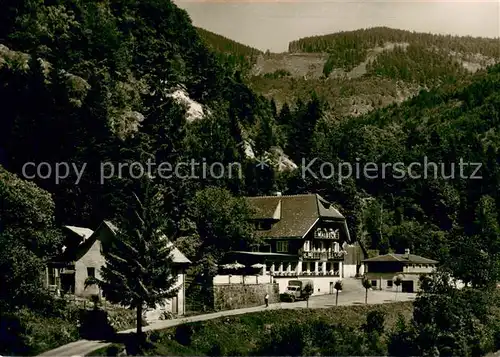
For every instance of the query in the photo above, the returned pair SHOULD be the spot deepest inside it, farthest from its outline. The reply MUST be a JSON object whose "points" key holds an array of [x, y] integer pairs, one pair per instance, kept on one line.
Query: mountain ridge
{"points": [[378, 65]]}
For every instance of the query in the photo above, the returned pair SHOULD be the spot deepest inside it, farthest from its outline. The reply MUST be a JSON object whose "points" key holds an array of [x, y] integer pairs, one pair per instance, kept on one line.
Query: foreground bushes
{"points": [[342, 330], [442, 321], [319, 338], [28, 332], [449, 322]]}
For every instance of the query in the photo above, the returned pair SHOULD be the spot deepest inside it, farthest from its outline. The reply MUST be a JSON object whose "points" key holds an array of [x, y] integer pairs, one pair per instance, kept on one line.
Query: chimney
{"points": [[407, 253], [278, 193]]}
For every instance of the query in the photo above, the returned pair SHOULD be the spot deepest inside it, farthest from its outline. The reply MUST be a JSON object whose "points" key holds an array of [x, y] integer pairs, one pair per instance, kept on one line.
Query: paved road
{"points": [[355, 298], [84, 347]]}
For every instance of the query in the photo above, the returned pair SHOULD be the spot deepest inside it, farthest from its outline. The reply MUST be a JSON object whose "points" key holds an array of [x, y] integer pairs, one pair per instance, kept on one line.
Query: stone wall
{"points": [[236, 296]]}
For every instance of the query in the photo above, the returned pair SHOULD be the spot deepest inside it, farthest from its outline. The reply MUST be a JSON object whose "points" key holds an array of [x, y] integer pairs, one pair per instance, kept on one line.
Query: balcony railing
{"points": [[305, 273], [332, 235], [324, 255]]}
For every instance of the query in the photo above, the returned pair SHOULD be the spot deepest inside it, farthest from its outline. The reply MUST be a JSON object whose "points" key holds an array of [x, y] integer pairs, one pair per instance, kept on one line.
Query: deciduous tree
{"points": [[28, 239], [367, 285], [338, 288], [398, 280], [222, 224]]}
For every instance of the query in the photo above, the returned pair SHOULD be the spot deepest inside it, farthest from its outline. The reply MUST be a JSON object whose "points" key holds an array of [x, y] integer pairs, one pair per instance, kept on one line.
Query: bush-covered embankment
{"points": [[343, 330]]}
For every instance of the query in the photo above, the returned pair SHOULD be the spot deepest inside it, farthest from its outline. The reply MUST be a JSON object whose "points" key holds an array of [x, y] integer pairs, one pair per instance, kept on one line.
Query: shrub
{"points": [[216, 350], [154, 336], [30, 333], [375, 321], [122, 319], [184, 334], [320, 338], [95, 324], [113, 350]]}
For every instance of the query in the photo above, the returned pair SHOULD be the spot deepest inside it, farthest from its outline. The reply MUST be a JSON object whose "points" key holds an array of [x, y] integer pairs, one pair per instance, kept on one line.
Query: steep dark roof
{"points": [[176, 254], [294, 215], [77, 251], [265, 207], [401, 258]]}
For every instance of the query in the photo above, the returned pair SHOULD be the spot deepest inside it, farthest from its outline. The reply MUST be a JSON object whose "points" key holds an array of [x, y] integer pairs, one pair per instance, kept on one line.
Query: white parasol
{"points": [[234, 265], [258, 266]]}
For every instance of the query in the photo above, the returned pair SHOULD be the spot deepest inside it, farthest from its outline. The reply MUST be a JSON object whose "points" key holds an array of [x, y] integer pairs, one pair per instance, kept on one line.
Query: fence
{"points": [[242, 279]]}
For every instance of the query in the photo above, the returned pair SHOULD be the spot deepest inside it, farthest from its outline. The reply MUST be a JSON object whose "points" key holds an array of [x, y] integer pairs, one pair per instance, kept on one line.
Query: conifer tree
{"points": [[139, 268], [284, 117], [302, 129]]}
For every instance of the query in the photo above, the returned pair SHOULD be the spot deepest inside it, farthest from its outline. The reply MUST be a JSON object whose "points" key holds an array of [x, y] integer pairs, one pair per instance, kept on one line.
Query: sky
{"points": [[272, 24]]}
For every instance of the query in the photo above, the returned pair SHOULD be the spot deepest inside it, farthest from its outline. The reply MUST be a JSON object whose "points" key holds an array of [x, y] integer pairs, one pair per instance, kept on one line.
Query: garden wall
{"points": [[236, 296]]}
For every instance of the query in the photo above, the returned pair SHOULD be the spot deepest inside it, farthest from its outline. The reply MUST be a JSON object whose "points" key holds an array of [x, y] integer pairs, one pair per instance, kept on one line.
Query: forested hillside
{"points": [[231, 53], [113, 97], [360, 40], [358, 71]]}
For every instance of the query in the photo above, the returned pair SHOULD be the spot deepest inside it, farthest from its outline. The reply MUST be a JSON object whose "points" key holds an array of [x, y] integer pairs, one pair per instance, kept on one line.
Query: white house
{"points": [[83, 257]]}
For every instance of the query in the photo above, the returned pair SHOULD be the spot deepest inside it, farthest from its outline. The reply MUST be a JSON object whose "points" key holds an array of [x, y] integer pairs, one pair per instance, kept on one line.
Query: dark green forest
{"points": [[230, 53], [355, 43], [91, 82], [417, 64]]}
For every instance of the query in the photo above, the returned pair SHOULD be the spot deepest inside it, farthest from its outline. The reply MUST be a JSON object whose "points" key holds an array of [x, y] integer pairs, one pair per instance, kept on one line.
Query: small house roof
{"points": [[83, 232], [88, 237], [401, 258], [177, 256]]}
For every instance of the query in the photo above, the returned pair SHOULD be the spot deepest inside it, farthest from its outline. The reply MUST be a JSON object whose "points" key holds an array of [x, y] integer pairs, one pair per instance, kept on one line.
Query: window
{"points": [[52, 276], [263, 225], [91, 272], [389, 283], [374, 283], [282, 246], [266, 248]]}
